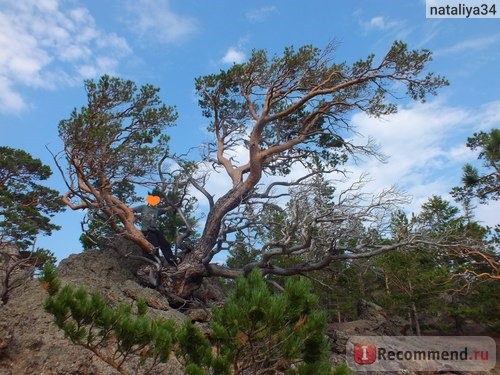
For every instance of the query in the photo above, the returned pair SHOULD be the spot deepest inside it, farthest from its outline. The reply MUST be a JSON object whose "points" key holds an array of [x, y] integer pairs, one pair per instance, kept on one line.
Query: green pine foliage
{"points": [[481, 182], [266, 332], [256, 331], [26, 207], [196, 351], [434, 288]]}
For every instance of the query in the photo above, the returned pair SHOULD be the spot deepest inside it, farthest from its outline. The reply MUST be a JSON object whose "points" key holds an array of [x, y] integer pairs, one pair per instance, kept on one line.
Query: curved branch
{"points": [[202, 190], [218, 270]]}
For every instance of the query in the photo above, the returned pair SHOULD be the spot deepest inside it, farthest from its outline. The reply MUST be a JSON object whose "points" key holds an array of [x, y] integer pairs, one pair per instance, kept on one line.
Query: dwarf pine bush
{"points": [[271, 333]]}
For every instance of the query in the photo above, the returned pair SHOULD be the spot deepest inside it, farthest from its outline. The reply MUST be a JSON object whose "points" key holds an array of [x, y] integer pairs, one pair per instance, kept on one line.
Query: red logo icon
{"points": [[365, 353]]}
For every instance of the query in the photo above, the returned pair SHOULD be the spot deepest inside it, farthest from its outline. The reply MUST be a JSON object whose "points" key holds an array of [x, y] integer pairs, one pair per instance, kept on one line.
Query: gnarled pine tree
{"points": [[282, 111]]}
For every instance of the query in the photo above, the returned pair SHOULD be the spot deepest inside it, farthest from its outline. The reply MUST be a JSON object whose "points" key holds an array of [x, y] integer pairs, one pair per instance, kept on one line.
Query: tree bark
{"points": [[414, 310], [186, 279], [415, 318], [195, 265]]}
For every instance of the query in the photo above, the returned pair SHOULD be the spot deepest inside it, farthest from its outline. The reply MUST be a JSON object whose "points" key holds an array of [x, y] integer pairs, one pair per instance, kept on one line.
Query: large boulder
{"points": [[30, 343]]}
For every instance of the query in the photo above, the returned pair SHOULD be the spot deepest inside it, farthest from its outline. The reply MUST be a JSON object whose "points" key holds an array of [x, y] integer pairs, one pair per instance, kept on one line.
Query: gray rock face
{"points": [[370, 311], [30, 343], [373, 321]]}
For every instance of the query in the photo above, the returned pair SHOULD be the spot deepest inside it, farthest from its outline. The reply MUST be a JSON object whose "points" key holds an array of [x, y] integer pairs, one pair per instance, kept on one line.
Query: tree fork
{"points": [[194, 266]]}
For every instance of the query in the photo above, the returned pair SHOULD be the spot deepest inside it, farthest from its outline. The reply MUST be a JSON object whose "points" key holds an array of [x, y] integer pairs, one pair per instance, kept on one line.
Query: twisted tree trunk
{"points": [[195, 264]]}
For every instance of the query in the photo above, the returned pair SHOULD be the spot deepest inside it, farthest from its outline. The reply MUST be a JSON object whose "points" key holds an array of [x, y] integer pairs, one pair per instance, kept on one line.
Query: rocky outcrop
{"points": [[30, 343]]}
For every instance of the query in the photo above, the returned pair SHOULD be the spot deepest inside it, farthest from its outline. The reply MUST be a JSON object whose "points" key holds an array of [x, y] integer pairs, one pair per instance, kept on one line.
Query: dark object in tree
{"points": [[158, 240], [255, 331], [149, 226], [25, 206], [283, 110]]}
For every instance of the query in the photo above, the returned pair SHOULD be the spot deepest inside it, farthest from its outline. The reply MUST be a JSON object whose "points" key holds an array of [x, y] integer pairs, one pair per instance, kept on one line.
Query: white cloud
{"points": [[155, 19], [460, 153], [44, 44], [233, 55], [377, 23], [426, 147], [466, 46], [487, 214], [381, 23], [9, 98], [391, 29], [260, 14], [412, 138], [489, 116]]}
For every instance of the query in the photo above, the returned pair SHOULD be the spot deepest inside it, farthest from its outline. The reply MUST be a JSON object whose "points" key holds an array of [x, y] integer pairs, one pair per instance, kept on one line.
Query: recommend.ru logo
{"points": [[421, 353]]}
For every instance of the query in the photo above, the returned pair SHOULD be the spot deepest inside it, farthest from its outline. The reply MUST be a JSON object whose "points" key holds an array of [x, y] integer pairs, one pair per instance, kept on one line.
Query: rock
{"points": [[373, 321], [5, 341], [37, 346], [339, 340], [370, 311], [339, 333], [211, 291], [30, 342], [199, 315]]}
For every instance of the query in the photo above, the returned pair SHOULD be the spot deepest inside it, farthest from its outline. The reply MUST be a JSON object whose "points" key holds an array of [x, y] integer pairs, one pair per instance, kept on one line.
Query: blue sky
{"points": [[48, 47]]}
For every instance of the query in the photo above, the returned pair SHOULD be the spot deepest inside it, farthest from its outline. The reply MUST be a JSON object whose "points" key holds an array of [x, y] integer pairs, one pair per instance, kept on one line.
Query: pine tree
{"points": [[125, 340], [272, 333], [26, 207], [482, 183]]}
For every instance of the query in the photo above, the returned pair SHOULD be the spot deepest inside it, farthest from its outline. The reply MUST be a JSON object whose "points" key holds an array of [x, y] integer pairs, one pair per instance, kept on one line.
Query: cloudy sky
{"points": [[48, 47]]}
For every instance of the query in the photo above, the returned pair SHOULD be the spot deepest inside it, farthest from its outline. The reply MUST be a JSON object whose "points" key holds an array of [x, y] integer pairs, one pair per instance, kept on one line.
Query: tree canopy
{"points": [[26, 206], [116, 140]]}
